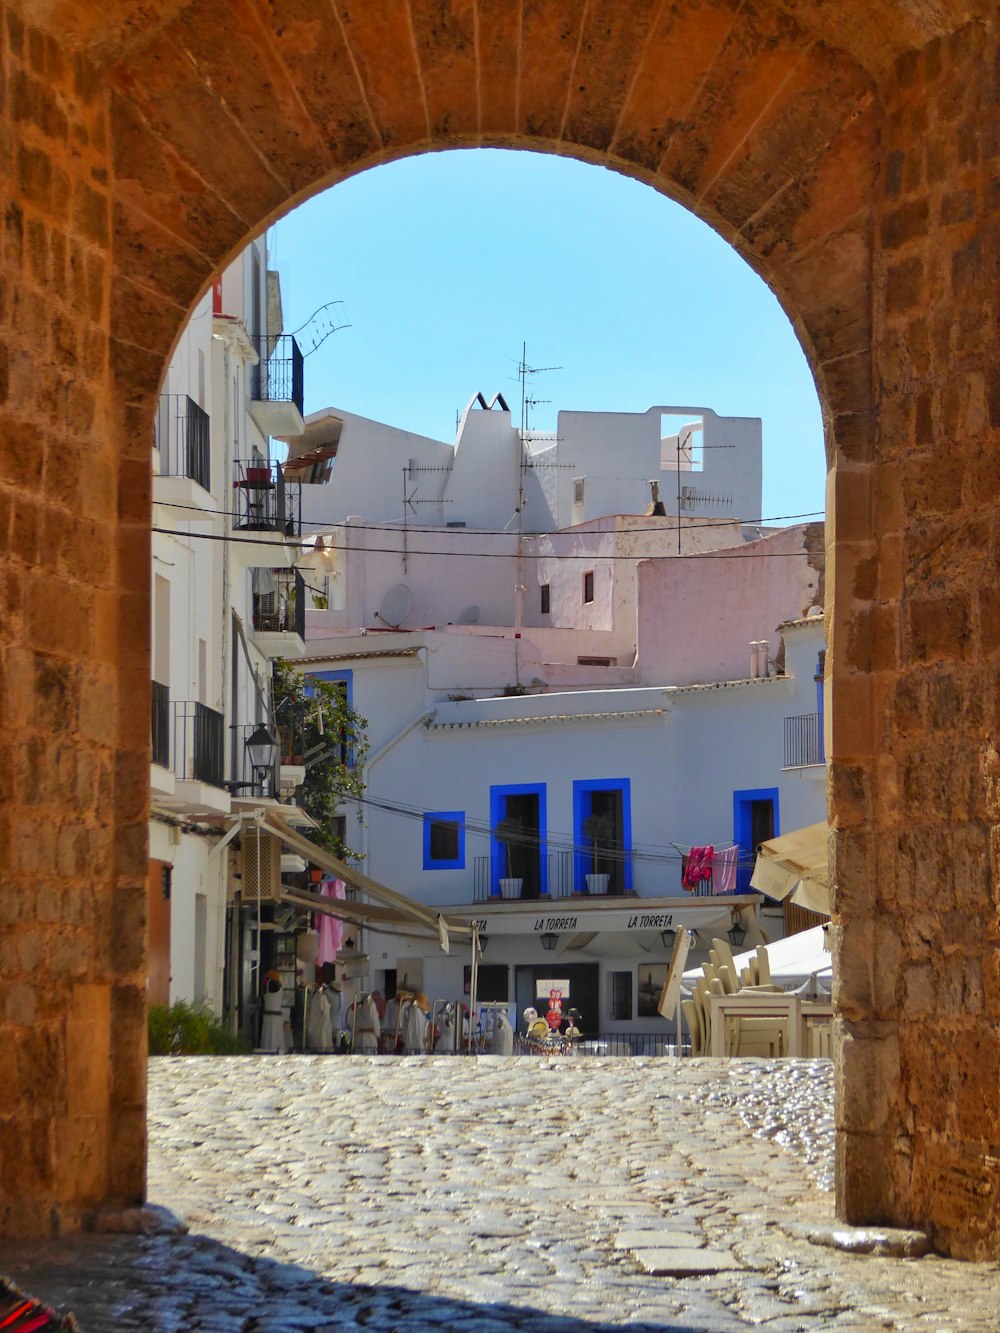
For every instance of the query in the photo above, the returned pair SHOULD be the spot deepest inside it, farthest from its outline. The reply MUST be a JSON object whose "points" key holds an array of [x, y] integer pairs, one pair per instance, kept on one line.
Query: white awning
{"points": [[403, 910], [796, 864]]}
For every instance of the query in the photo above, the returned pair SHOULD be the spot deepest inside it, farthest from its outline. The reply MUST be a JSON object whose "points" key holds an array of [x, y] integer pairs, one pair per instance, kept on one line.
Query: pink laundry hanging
{"points": [[697, 867], [724, 873], [331, 928]]}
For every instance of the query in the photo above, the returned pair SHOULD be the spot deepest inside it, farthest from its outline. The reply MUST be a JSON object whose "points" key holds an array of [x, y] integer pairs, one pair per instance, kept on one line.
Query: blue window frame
{"points": [[755, 819], [444, 840], [614, 795], [526, 859]]}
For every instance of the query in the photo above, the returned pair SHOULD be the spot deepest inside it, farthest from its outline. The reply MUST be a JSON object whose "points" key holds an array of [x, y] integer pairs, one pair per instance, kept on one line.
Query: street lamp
{"points": [[262, 749], [549, 941], [668, 936]]}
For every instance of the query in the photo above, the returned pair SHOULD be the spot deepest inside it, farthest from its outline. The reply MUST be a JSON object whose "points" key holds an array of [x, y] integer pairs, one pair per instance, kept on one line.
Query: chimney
{"points": [[754, 659], [764, 660], [656, 509]]}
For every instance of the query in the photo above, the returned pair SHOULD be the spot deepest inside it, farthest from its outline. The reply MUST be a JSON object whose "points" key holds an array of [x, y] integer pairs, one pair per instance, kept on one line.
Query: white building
{"points": [[225, 535], [551, 675]]}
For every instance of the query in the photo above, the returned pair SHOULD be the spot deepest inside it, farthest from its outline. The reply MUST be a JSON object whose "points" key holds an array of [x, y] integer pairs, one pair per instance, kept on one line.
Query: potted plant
{"points": [[600, 830], [510, 833]]}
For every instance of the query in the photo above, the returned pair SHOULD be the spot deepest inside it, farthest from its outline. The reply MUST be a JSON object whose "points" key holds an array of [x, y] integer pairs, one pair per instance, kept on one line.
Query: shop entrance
{"points": [[583, 990]]}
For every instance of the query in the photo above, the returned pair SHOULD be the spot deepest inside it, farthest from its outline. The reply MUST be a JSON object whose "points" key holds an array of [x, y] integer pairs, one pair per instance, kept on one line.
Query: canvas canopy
{"points": [[796, 864]]}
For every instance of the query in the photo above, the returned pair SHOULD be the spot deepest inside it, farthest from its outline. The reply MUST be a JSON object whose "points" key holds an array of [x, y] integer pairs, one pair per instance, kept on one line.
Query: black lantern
{"points": [[668, 936], [262, 749], [737, 932], [549, 941]]}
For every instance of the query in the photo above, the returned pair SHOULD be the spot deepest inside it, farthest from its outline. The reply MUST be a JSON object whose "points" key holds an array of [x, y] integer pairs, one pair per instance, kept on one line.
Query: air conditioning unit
{"points": [[258, 866]]}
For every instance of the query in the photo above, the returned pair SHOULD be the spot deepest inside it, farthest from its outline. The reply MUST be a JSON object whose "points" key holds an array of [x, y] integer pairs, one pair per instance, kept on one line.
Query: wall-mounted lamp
{"points": [[549, 941], [668, 936], [737, 931], [263, 751], [483, 941]]}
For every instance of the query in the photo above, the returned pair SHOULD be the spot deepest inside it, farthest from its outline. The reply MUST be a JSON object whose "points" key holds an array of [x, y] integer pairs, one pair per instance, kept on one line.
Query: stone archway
{"points": [[848, 151]]}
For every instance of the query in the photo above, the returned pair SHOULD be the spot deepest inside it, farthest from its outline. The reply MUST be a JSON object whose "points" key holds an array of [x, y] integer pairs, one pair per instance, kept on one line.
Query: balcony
{"points": [[276, 384], [182, 440], [279, 612], [196, 755], [804, 742], [265, 503]]}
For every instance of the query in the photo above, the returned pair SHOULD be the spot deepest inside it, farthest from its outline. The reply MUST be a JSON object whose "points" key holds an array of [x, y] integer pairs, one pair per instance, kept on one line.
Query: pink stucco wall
{"points": [[697, 615]]}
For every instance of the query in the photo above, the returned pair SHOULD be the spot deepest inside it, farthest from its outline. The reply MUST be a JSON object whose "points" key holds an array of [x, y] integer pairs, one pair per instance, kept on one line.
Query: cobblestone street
{"points": [[552, 1196]]}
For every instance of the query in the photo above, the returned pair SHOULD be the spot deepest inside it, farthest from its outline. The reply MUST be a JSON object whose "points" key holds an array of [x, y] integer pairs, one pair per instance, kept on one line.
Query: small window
{"points": [[544, 590], [596, 661], [588, 586], [492, 984], [444, 840], [621, 996], [579, 486]]}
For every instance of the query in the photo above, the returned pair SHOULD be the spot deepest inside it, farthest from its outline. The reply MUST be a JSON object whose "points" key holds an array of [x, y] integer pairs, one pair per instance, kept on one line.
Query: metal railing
{"points": [[161, 724], [282, 608], [182, 434], [244, 779], [277, 376], [263, 501], [198, 743], [555, 872], [803, 741]]}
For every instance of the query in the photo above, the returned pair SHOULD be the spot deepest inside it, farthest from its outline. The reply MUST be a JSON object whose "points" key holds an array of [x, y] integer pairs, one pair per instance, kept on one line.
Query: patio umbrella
{"points": [[796, 864]]}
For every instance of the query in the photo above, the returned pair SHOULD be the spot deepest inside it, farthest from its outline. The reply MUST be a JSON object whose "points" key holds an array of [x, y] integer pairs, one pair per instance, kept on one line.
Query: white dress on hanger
{"points": [[272, 1028], [319, 1034], [367, 1029], [503, 1035], [414, 1029]]}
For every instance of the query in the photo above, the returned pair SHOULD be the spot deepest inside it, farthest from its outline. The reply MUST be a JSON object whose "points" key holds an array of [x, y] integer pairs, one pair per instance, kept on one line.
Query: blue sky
{"points": [[448, 262]]}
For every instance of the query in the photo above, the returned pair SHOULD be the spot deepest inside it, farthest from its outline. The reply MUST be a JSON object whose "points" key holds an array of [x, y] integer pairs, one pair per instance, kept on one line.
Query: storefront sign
{"points": [[556, 923], [544, 989]]}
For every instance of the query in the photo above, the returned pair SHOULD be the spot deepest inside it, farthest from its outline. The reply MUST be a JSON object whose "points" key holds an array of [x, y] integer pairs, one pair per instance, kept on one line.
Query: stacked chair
{"points": [[768, 1028]]}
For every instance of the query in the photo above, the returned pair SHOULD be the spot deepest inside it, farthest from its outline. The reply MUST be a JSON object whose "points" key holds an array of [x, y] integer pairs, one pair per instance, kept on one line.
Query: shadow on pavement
{"points": [[170, 1283]]}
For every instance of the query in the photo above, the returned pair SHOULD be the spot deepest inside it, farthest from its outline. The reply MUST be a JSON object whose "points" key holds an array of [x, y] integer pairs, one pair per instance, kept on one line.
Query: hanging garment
{"points": [[724, 872], [319, 1030], [696, 867], [503, 1035], [367, 1028], [272, 1028], [330, 928], [414, 1029]]}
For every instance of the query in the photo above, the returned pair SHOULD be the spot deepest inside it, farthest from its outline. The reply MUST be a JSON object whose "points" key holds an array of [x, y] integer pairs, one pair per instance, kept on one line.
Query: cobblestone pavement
{"points": [[474, 1196]]}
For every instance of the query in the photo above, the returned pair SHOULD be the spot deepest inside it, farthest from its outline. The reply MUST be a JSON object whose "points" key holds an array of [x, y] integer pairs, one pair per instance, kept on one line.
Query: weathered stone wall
{"points": [[917, 797], [73, 683], [845, 149]]}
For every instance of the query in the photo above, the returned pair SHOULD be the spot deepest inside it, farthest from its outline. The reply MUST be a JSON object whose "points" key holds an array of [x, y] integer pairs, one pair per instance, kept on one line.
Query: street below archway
{"points": [[488, 1194]]}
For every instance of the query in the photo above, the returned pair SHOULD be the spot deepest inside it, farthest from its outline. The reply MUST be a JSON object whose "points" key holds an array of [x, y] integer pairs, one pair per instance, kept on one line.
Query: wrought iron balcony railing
{"points": [[279, 602], [182, 434], [277, 376], [263, 501], [198, 743], [803, 741]]}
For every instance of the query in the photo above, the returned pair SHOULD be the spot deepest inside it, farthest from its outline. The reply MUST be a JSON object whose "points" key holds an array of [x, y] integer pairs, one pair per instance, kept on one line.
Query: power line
{"points": [[559, 842], [591, 557]]}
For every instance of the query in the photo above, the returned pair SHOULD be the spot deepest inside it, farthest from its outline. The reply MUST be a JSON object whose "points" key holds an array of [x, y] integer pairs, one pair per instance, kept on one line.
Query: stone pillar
{"points": [[74, 686], [916, 689]]}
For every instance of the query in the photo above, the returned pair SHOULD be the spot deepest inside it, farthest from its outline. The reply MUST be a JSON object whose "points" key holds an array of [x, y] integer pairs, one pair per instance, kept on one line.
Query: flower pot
{"points": [[510, 887], [598, 883]]}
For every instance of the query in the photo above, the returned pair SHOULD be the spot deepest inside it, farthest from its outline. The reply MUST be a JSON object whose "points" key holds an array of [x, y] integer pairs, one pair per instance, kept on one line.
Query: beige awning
{"points": [[402, 910], [796, 864]]}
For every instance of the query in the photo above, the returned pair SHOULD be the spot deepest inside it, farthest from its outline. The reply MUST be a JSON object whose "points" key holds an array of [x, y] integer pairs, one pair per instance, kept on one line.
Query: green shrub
{"points": [[190, 1029]]}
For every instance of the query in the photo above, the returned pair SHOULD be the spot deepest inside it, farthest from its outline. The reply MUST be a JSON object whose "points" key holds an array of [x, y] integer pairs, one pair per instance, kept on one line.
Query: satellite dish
{"points": [[470, 616], [395, 605]]}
